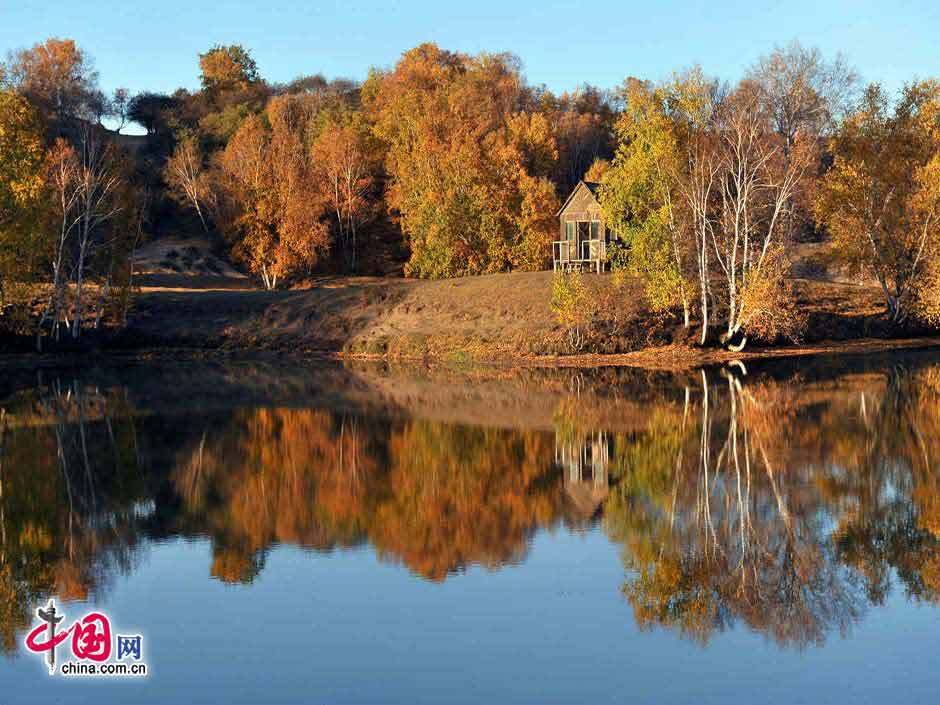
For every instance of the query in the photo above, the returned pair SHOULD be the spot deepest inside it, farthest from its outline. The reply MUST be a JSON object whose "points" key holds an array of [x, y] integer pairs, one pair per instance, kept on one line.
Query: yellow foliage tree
{"points": [[468, 164], [21, 183], [273, 210], [881, 199]]}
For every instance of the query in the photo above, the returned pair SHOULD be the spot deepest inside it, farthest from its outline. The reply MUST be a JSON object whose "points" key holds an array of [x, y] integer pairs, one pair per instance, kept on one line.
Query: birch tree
{"points": [[98, 202], [881, 198], [694, 101], [802, 92], [64, 186], [703, 188], [658, 192], [759, 176], [347, 159], [187, 176]]}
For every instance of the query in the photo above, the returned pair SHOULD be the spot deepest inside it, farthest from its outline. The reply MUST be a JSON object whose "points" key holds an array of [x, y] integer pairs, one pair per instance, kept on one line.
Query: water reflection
{"points": [[791, 505]]}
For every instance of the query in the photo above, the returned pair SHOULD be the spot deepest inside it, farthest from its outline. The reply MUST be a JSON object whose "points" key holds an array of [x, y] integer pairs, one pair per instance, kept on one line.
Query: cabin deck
{"points": [[578, 255]]}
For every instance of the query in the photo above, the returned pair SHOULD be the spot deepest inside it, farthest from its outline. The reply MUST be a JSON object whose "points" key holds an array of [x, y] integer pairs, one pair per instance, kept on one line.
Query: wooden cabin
{"points": [[583, 236]]}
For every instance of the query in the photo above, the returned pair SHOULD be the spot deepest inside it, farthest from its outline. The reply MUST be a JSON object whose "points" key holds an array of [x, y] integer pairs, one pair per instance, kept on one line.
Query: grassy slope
{"points": [[487, 317], [191, 298], [482, 316]]}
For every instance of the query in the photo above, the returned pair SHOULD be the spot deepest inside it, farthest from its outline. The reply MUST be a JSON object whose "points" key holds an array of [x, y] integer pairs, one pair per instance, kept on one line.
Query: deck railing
{"points": [[569, 253]]}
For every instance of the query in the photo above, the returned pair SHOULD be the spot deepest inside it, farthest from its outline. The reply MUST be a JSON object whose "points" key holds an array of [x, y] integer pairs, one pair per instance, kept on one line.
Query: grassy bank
{"points": [[500, 317]]}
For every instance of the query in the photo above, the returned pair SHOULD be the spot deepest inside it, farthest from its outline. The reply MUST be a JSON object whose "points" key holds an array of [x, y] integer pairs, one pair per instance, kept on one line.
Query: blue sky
{"points": [[154, 45]]}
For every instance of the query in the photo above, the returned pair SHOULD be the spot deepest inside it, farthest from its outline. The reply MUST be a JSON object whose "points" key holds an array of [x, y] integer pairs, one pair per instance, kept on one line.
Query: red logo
{"points": [[90, 636]]}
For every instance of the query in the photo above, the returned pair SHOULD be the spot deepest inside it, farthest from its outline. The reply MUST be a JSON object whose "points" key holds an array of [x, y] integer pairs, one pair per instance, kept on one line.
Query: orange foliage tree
{"points": [[468, 159], [272, 211], [346, 157], [227, 68]]}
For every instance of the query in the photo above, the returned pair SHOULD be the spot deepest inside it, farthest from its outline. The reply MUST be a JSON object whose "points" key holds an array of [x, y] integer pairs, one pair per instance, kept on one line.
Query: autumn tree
{"points": [[101, 181], [274, 212], [803, 93], [661, 188], [703, 188], [468, 165], [760, 174], [232, 90], [346, 157], [63, 186], [597, 170], [642, 199], [21, 183], [805, 97], [881, 199], [57, 77], [583, 125], [226, 68], [188, 177]]}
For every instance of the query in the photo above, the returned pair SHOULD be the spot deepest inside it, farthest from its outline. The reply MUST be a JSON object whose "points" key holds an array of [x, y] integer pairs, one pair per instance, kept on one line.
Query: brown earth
{"points": [[191, 299], [485, 316], [500, 317]]}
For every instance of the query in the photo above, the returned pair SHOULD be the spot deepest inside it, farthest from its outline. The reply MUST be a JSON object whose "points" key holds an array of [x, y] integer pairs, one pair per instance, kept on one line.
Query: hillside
{"points": [[482, 316], [499, 316]]}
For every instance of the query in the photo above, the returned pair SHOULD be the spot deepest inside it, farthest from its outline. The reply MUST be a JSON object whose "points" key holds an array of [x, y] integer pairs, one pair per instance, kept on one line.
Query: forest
{"points": [[449, 165]]}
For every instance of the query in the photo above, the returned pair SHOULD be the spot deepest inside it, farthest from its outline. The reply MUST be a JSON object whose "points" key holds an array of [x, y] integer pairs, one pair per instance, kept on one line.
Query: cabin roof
{"points": [[591, 186]]}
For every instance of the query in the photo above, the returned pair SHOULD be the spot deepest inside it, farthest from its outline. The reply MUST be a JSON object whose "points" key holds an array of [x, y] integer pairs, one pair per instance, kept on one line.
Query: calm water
{"points": [[289, 533]]}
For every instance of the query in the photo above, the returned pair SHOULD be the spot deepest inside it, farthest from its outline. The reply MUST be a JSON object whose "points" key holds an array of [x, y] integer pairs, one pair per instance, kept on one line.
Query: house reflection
{"points": [[585, 463]]}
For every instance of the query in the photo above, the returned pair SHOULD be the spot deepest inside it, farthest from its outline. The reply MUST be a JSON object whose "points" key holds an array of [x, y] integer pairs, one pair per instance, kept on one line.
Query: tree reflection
{"points": [[69, 493], [893, 491], [435, 497], [790, 506], [762, 503]]}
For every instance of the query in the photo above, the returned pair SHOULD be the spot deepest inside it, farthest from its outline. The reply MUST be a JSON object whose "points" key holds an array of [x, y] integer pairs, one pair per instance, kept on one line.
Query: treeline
{"points": [[465, 163], [454, 155], [711, 184], [466, 158]]}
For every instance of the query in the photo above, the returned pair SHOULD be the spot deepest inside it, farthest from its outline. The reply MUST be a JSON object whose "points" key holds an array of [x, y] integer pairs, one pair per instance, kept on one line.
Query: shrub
{"points": [[574, 306]]}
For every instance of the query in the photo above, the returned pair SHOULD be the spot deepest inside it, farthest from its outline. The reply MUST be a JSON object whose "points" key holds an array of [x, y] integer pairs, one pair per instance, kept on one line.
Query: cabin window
{"points": [[569, 230], [589, 230]]}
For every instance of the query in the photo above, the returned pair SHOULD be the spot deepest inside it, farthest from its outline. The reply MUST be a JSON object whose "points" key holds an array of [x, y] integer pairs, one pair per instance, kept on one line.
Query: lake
{"points": [[304, 531]]}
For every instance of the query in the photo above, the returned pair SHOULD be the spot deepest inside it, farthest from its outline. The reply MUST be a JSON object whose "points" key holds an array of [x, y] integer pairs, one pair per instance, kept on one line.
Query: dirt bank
{"points": [[474, 318], [500, 317]]}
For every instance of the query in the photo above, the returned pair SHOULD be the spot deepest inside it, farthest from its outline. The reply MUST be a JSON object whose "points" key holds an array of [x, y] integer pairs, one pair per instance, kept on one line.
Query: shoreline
{"points": [[499, 320], [676, 358]]}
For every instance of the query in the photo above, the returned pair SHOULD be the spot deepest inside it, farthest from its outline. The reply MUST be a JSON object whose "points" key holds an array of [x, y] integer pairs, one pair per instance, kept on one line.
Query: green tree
{"points": [[226, 68]]}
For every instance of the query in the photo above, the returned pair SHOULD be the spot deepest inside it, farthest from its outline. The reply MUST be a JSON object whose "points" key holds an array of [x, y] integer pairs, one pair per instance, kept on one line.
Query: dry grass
{"points": [[499, 317]]}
